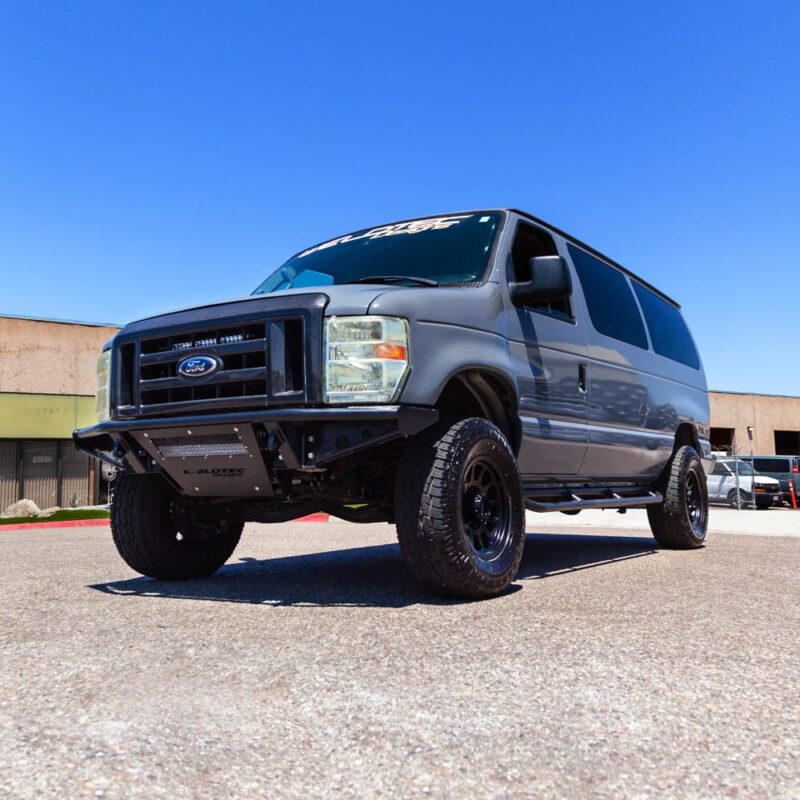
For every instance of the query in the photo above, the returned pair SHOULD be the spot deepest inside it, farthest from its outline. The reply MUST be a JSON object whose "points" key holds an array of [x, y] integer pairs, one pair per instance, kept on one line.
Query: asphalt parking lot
{"points": [[311, 667]]}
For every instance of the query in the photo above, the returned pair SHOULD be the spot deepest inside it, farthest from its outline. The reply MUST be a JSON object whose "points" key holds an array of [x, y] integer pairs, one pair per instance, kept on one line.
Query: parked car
{"points": [[722, 485], [785, 469], [443, 373]]}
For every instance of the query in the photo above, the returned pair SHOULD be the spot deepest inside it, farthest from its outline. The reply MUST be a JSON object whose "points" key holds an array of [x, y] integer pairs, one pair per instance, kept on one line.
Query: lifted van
{"points": [[442, 373]]}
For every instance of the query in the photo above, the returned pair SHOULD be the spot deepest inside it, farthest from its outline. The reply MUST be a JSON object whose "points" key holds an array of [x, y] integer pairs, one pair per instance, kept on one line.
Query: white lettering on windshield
{"points": [[415, 226]]}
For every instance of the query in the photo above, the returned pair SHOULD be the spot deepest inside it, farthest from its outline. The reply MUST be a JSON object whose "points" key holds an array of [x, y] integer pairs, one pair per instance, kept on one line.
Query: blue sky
{"points": [[155, 155]]}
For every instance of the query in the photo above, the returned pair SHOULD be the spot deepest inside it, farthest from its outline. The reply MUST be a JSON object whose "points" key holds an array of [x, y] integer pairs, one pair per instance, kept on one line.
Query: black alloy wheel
{"points": [[696, 507], [486, 508]]}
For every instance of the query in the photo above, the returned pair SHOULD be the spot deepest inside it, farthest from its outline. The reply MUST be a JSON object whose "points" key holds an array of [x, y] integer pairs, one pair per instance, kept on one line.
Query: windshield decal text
{"points": [[415, 226]]}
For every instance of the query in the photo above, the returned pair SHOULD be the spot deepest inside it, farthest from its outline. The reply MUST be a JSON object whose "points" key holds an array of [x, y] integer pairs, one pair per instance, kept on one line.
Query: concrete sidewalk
{"points": [[771, 522]]}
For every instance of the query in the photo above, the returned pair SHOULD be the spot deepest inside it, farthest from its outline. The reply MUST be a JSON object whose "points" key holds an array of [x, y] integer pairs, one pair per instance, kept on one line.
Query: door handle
{"points": [[582, 377]]}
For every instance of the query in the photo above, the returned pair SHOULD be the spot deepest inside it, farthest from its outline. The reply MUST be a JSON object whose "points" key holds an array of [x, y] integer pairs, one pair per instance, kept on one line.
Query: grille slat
{"points": [[241, 382], [256, 401], [173, 356], [218, 379]]}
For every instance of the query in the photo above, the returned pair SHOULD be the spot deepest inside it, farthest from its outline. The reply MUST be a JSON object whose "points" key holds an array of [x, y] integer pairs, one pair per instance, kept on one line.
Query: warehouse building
{"points": [[763, 424], [47, 384]]}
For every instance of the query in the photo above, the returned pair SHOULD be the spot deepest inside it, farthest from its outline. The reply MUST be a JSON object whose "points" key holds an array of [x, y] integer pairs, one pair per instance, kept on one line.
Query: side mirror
{"points": [[550, 280]]}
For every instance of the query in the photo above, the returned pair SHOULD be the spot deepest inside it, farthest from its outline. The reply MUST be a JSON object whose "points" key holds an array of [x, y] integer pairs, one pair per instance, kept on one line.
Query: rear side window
{"points": [[772, 464], [668, 331], [612, 307]]}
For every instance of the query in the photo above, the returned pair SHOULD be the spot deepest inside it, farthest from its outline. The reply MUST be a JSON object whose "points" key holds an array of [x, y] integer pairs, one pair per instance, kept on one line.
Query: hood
{"points": [[764, 480], [344, 299]]}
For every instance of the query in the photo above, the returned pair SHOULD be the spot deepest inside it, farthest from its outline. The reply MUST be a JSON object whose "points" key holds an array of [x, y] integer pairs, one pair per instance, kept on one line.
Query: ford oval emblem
{"points": [[198, 366]]}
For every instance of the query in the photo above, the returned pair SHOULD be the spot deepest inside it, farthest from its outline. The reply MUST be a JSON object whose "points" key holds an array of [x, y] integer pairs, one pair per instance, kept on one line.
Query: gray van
{"points": [[785, 469], [442, 373]]}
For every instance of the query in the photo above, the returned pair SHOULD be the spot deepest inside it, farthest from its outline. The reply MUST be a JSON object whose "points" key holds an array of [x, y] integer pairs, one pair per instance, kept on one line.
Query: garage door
{"points": [[9, 474], [74, 476], [40, 472]]}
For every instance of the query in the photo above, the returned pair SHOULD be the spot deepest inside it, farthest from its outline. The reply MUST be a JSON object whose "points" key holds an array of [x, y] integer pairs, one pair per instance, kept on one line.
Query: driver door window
{"points": [[529, 243]]}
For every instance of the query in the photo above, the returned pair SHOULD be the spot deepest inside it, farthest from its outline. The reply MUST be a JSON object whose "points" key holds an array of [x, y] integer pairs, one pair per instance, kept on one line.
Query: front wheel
{"points": [[739, 499], [681, 520], [459, 510], [156, 537]]}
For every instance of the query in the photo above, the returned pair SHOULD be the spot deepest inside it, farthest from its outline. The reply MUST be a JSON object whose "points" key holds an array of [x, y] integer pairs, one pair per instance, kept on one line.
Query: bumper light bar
{"points": [[202, 449]]}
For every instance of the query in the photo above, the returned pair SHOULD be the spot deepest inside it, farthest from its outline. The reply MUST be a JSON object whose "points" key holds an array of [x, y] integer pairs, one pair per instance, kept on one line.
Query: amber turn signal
{"points": [[395, 352]]}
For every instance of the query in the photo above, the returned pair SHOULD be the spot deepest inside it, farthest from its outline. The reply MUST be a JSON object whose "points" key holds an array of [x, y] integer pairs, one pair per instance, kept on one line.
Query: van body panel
{"points": [[637, 400]]}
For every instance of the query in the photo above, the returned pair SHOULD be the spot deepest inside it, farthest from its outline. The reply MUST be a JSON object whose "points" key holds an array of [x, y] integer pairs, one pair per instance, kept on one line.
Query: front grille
{"points": [[266, 352], [240, 381]]}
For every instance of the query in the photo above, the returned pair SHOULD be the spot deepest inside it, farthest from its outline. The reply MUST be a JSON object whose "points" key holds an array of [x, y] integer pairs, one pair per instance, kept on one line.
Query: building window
{"points": [[722, 439], [787, 443]]}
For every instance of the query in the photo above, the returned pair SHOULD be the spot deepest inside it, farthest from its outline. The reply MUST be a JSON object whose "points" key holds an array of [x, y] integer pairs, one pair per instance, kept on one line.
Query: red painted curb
{"points": [[89, 523], [64, 523]]}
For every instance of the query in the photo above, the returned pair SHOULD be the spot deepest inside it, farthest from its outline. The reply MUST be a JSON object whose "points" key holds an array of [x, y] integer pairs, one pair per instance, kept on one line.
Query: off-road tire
{"points": [[436, 534], [148, 540], [683, 485]]}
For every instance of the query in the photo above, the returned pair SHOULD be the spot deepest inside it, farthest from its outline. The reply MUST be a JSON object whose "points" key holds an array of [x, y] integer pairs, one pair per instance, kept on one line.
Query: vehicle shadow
{"points": [[371, 576]]}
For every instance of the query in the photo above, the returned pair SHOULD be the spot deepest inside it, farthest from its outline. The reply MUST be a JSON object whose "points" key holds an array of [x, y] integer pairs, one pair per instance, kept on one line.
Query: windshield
{"points": [[744, 467], [441, 250]]}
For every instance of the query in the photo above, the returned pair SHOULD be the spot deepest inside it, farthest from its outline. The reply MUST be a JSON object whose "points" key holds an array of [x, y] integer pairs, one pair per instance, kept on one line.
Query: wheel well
{"points": [[477, 393], [686, 435]]}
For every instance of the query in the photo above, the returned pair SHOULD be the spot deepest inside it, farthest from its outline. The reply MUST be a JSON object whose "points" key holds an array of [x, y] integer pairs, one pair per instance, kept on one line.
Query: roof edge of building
{"points": [[754, 394], [61, 321]]}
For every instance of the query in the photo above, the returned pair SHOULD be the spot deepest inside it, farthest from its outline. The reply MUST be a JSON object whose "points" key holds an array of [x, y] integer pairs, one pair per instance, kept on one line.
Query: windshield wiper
{"points": [[395, 279]]}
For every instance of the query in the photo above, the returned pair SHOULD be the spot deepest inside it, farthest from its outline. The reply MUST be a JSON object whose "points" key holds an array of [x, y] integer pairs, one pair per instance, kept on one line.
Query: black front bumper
{"points": [[261, 442]]}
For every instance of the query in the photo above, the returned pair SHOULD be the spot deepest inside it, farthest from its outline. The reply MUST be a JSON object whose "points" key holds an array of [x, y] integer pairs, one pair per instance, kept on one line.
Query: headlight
{"points": [[366, 359], [102, 399]]}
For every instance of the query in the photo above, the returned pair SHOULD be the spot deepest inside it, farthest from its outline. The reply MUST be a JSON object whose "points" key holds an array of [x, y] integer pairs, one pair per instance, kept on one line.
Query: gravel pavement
{"points": [[311, 667]]}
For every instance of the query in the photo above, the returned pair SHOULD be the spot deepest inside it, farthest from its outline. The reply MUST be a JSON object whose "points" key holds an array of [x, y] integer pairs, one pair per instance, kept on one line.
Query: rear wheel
{"points": [[681, 520], [156, 536], [459, 510]]}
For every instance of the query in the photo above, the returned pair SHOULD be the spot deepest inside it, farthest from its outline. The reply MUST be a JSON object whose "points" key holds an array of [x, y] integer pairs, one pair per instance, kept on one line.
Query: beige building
{"points": [[763, 424], [47, 385]]}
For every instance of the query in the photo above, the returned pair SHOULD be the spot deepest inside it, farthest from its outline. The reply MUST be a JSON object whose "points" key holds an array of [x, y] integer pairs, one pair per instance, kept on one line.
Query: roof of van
{"points": [[595, 252]]}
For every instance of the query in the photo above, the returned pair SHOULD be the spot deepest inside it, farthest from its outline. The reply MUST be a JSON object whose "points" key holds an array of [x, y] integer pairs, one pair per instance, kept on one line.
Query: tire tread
{"points": [[669, 520], [426, 502], [144, 534]]}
